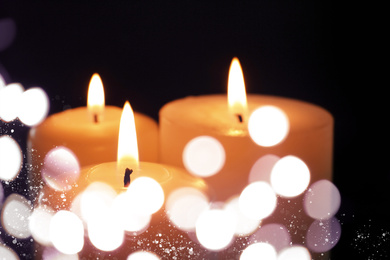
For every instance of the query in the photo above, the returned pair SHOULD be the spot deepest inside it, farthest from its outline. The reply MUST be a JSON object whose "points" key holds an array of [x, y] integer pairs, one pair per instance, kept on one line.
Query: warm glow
{"points": [[96, 97], [127, 141], [236, 91]]}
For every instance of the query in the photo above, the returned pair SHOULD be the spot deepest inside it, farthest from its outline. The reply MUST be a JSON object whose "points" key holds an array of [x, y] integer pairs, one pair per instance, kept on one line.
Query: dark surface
{"points": [[323, 52]]}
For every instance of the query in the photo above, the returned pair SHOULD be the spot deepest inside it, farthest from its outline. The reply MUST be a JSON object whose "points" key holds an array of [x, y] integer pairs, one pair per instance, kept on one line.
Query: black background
{"points": [[150, 53]]}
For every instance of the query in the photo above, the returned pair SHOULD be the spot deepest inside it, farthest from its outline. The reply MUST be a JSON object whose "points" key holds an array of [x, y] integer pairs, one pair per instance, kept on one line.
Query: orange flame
{"points": [[236, 91], [95, 101], [127, 141]]}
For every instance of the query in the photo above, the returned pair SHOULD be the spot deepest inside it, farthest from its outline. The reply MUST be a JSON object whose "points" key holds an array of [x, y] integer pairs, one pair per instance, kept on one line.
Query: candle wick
{"points": [[126, 179], [240, 118], [95, 118]]}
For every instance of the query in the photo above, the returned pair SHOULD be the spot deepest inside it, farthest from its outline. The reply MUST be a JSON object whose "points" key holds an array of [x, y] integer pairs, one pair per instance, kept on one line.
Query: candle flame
{"points": [[95, 101], [236, 91], [127, 141]]}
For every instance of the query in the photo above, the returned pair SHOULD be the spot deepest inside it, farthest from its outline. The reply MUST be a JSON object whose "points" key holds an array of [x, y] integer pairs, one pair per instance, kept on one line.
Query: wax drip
{"points": [[126, 179], [239, 118]]}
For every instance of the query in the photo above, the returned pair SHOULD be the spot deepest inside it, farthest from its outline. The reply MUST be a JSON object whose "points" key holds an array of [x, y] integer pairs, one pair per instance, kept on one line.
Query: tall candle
{"points": [[90, 132], [310, 136], [263, 151], [133, 209]]}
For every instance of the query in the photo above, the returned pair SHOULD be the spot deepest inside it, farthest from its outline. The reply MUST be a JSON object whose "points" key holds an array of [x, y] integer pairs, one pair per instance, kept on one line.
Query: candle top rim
{"points": [[206, 112]]}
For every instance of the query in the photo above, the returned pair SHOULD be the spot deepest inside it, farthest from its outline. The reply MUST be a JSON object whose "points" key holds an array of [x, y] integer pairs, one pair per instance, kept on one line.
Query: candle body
{"points": [[160, 228], [91, 142], [310, 137]]}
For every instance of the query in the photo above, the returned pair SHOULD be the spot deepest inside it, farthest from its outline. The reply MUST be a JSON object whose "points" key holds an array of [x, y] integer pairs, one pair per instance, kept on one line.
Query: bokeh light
{"points": [[104, 232], [10, 101], [75, 206], [290, 176], [38, 224], [15, 216], [7, 32], [259, 251], [128, 216], [142, 255], [262, 168], [268, 126], [322, 200], [147, 194], [67, 232], [61, 168], [204, 156], [10, 158], [275, 234], [34, 106], [51, 253], [215, 229], [323, 235], [294, 253], [184, 206], [2, 82], [257, 200], [1, 194], [97, 198], [245, 225], [7, 253]]}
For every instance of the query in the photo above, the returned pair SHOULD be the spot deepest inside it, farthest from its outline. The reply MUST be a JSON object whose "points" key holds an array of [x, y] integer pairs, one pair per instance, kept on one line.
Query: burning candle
{"points": [[119, 200], [91, 133], [221, 138]]}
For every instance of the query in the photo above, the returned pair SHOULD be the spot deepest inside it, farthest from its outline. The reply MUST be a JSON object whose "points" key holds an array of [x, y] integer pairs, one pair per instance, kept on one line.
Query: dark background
{"points": [[150, 53]]}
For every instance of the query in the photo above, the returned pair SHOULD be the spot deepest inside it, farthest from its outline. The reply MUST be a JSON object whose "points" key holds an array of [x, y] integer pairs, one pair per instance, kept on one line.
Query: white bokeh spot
{"points": [[34, 106], [257, 200], [268, 126], [67, 232], [61, 168], [322, 200], [10, 158], [204, 156], [290, 176], [10, 98], [215, 229], [15, 216], [259, 251]]}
